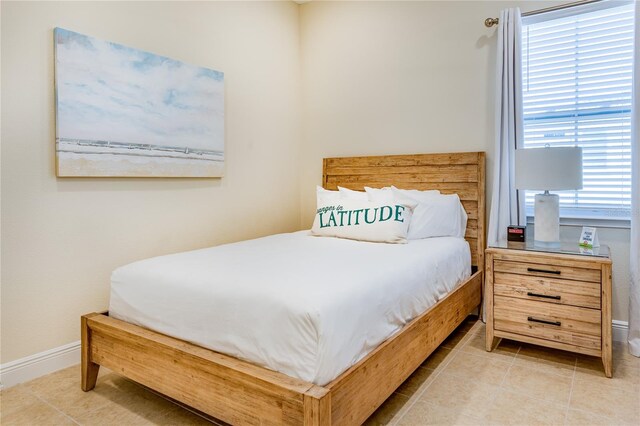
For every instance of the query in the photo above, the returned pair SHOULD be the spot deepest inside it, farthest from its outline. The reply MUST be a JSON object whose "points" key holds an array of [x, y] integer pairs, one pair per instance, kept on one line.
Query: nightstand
{"points": [[556, 297]]}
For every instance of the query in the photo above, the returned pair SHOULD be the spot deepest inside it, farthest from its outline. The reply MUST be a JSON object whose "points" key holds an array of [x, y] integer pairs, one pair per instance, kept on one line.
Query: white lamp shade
{"points": [[549, 169]]}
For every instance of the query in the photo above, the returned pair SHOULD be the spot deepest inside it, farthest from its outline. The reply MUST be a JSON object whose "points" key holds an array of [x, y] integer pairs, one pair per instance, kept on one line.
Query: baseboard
{"points": [[619, 331], [40, 364]]}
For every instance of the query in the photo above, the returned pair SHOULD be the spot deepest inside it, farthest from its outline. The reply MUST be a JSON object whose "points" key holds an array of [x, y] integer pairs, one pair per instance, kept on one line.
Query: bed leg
{"points": [[317, 407], [89, 369]]}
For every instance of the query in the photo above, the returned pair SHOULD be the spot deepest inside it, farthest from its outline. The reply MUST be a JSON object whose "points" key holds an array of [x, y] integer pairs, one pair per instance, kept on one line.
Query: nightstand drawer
{"points": [[547, 270], [567, 324], [552, 290]]}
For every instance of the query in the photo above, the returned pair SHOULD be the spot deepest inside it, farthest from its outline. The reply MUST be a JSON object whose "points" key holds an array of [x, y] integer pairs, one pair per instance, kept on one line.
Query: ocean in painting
{"points": [[125, 112]]}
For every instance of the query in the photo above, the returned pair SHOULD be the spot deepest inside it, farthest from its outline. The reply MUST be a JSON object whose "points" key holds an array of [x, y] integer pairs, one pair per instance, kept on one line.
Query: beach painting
{"points": [[125, 112]]}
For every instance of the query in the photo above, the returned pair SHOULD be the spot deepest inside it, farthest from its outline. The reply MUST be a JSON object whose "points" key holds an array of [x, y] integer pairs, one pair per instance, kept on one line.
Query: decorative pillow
{"points": [[355, 195], [363, 220]]}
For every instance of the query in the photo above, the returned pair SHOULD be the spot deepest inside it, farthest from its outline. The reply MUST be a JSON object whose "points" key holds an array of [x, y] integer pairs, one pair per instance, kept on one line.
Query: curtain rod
{"points": [[490, 22]]}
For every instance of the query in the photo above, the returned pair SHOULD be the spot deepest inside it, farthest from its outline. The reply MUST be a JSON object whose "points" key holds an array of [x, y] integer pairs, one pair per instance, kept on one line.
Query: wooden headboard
{"points": [[461, 173]]}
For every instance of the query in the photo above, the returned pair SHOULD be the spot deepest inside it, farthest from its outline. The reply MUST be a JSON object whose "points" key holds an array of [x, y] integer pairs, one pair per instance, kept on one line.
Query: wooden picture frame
{"points": [[239, 392]]}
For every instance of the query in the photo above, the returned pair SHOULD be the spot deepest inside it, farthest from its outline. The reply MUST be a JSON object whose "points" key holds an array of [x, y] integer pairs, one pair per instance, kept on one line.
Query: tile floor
{"points": [[460, 384]]}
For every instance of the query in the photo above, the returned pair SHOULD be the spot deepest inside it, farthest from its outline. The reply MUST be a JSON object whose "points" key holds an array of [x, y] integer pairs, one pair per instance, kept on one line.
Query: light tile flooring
{"points": [[459, 384]]}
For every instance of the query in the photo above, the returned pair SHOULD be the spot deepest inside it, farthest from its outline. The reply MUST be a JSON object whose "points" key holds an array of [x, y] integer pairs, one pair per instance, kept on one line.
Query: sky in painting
{"points": [[109, 92]]}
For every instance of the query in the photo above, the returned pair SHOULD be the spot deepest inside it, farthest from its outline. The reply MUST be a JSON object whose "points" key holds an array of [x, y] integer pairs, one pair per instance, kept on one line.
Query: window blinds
{"points": [[577, 84]]}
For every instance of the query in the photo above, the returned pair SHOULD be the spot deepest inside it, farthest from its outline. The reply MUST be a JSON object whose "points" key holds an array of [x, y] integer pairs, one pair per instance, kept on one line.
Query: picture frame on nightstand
{"points": [[589, 237]]}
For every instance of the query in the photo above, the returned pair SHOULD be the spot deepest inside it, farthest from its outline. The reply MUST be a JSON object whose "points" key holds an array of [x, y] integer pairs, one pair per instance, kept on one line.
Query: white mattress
{"points": [[309, 307]]}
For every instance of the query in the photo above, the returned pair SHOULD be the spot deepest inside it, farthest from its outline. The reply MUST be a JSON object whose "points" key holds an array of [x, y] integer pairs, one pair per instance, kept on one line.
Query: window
{"points": [[577, 84]]}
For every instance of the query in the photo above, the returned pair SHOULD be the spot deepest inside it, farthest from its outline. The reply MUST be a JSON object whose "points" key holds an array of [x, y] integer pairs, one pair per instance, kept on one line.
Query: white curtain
{"points": [[634, 288], [506, 208]]}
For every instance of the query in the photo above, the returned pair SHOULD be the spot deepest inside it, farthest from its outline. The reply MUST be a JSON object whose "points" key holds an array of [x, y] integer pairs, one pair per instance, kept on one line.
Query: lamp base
{"points": [[547, 219]]}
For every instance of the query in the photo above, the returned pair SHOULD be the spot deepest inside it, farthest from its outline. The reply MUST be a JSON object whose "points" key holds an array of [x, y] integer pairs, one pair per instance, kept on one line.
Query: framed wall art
{"points": [[128, 113]]}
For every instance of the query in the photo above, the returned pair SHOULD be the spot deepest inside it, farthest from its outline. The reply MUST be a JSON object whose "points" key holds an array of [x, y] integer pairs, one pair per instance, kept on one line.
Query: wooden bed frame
{"points": [[239, 392]]}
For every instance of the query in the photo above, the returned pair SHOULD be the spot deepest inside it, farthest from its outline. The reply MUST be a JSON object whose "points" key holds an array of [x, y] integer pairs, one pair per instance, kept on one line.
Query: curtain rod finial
{"points": [[490, 22]]}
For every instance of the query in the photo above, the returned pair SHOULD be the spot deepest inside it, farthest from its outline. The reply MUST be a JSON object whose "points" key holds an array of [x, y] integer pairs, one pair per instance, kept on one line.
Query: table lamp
{"points": [[548, 169]]}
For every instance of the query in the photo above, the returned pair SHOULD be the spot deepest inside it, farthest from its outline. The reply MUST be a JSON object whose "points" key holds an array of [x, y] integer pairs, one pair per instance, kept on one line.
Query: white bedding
{"points": [[309, 307]]}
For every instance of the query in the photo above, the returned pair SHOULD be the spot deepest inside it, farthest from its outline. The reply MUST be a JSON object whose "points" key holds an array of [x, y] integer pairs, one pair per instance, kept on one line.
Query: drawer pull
{"points": [[532, 319], [546, 296], [543, 270]]}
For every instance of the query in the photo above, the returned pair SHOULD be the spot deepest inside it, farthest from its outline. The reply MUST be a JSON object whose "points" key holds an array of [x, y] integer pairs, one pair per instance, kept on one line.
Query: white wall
{"points": [[61, 238], [377, 78], [404, 78]]}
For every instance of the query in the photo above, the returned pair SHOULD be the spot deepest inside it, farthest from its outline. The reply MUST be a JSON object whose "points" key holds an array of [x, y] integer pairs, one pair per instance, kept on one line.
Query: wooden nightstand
{"points": [[560, 298]]}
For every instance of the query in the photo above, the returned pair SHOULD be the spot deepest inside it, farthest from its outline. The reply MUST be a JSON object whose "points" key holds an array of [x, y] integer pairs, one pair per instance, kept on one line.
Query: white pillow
{"points": [[436, 215], [424, 197], [393, 193], [379, 194], [325, 194], [355, 195], [415, 193], [363, 220]]}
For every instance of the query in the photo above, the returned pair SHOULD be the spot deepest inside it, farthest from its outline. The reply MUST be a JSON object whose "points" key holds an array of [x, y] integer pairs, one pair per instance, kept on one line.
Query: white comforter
{"points": [[309, 307]]}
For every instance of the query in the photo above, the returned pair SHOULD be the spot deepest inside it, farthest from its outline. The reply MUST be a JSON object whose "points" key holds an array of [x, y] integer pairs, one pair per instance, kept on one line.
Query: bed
{"points": [[316, 392], [354, 295]]}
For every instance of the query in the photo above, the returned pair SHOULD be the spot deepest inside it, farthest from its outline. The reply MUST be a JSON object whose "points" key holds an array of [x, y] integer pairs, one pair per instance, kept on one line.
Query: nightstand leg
{"points": [[608, 366], [606, 320], [490, 341]]}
